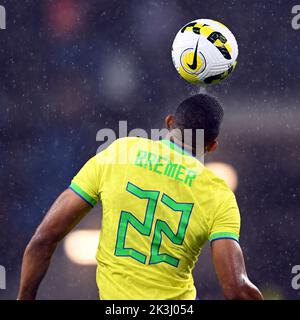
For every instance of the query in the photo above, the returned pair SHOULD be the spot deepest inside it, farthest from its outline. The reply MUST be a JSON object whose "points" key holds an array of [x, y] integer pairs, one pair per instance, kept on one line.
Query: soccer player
{"points": [[160, 206]]}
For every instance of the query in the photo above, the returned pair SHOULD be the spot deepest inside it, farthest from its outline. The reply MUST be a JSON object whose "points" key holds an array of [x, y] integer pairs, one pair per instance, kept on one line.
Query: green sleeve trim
{"points": [[91, 201], [223, 235]]}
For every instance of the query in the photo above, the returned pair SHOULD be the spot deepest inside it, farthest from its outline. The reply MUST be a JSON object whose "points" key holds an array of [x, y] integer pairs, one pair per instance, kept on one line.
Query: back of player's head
{"points": [[200, 111]]}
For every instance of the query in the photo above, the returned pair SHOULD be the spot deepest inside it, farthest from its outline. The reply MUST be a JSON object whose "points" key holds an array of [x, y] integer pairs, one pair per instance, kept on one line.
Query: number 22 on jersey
{"points": [[145, 227]]}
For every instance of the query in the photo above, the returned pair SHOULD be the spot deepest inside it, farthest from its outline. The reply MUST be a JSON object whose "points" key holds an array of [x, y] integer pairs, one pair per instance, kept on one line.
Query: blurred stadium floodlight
{"points": [[80, 246], [272, 292], [225, 172], [117, 78], [65, 17]]}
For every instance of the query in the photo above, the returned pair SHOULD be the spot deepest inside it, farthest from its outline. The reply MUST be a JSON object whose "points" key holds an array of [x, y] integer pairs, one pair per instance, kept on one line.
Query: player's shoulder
{"points": [[217, 184], [218, 190], [131, 143], [124, 141]]}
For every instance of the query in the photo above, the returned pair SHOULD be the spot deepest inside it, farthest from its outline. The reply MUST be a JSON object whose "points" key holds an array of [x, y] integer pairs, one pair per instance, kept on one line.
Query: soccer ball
{"points": [[204, 51]]}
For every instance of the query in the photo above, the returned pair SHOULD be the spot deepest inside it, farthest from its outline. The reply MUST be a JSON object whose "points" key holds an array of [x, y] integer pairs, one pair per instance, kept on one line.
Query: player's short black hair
{"points": [[200, 111]]}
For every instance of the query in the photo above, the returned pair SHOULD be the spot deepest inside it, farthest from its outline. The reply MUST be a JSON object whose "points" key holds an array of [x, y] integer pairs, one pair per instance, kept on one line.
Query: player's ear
{"points": [[212, 146], [169, 121]]}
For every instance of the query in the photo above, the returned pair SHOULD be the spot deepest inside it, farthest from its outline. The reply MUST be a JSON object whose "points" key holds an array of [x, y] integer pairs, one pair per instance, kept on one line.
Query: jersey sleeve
{"points": [[226, 222], [86, 183]]}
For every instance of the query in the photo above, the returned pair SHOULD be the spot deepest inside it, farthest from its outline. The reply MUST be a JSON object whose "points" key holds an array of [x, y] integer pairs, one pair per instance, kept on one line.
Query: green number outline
{"points": [[146, 227], [143, 228], [163, 227]]}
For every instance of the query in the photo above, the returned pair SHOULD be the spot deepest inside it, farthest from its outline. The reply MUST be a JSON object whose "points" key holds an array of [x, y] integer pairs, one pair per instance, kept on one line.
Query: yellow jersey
{"points": [[159, 207]]}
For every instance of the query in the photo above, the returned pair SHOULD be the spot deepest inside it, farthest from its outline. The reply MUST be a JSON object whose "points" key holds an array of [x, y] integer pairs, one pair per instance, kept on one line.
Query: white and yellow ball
{"points": [[204, 51]]}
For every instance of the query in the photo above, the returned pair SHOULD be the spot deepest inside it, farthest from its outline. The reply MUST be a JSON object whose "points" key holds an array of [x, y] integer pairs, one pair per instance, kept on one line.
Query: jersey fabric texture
{"points": [[159, 207]]}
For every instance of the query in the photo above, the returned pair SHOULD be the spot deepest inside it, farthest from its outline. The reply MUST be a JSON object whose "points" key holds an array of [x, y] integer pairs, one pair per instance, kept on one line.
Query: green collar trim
{"points": [[174, 146]]}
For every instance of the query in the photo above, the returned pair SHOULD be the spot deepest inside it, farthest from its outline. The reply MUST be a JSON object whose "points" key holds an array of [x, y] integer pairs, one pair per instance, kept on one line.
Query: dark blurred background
{"points": [[70, 68]]}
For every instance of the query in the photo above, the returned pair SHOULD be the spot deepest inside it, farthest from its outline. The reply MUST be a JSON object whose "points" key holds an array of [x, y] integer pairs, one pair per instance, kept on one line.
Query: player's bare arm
{"points": [[63, 216], [230, 268]]}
